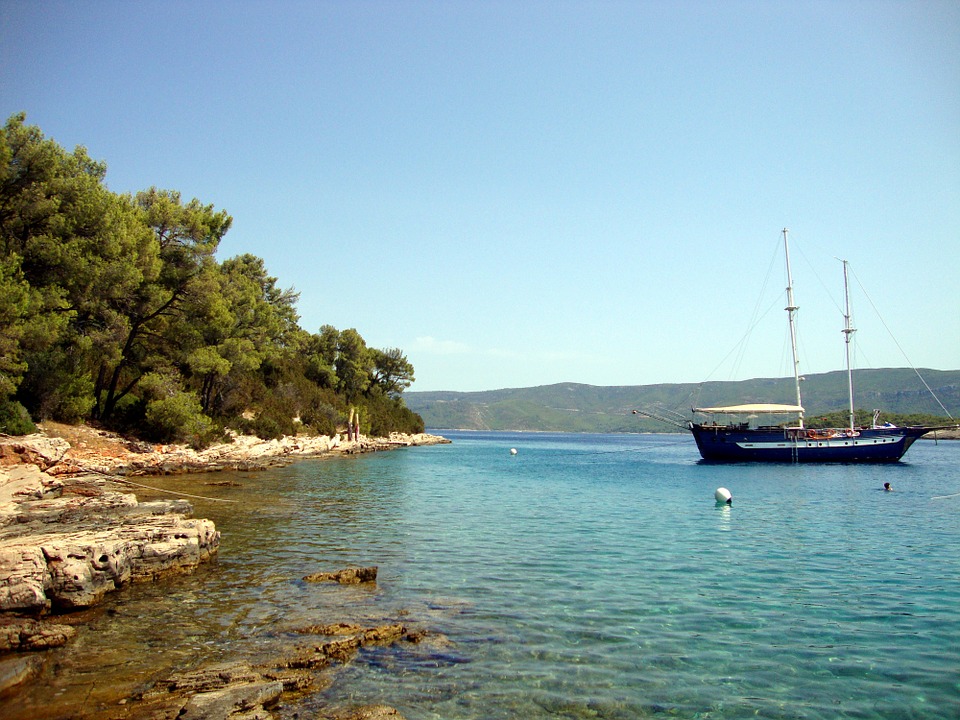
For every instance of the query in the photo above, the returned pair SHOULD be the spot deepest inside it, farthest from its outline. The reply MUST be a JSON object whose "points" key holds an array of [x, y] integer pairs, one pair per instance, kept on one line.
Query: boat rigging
{"points": [[739, 442]]}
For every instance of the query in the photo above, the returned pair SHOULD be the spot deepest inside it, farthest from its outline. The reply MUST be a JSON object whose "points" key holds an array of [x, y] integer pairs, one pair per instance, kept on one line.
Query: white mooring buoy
{"points": [[724, 496], [513, 451]]}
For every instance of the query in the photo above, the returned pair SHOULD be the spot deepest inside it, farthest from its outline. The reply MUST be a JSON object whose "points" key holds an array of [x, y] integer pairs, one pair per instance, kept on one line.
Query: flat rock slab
{"points": [[74, 568], [64, 544]]}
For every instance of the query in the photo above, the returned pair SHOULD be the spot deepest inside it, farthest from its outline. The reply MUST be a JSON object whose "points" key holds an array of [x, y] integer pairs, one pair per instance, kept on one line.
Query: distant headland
{"points": [[571, 407]]}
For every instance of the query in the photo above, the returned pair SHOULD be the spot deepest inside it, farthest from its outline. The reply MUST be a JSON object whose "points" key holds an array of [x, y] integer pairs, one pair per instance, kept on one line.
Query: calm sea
{"points": [[587, 576]]}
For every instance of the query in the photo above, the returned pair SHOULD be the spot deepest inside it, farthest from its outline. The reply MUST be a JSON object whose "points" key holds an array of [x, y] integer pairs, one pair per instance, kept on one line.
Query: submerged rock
{"points": [[17, 669], [238, 691], [342, 650], [367, 712], [230, 691], [236, 701], [339, 628], [348, 576], [30, 634]]}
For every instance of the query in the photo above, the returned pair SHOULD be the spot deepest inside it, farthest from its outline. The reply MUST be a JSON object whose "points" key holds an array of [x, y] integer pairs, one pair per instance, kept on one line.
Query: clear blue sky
{"points": [[523, 193]]}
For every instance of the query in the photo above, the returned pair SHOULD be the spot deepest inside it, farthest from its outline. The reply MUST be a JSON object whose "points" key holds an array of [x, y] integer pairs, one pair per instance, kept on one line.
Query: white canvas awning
{"points": [[756, 408]]}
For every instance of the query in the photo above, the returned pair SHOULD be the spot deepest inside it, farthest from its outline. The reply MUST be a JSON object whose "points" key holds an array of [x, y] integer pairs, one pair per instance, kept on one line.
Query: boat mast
{"points": [[791, 310], [848, 330]]}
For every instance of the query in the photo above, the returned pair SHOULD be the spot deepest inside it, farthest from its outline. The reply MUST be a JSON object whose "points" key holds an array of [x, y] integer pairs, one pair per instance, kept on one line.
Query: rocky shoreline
{"points": [[71, 533], [65, 450]]}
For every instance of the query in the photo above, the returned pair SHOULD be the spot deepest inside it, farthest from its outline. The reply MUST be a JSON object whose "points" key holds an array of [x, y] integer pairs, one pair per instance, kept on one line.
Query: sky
{"points": [[520, 194]]}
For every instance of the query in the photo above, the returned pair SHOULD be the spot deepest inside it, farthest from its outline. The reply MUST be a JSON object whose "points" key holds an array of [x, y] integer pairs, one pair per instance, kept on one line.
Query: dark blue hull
{"points": [[733, 443]]}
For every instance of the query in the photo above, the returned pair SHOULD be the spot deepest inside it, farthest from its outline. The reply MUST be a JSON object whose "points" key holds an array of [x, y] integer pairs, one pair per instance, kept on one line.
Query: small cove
{"points": [[587, 576]]}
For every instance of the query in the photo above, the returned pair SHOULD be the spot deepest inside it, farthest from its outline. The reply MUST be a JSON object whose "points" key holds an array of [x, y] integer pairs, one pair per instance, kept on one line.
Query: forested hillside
{"points": [[570, 407], [114, 309]]}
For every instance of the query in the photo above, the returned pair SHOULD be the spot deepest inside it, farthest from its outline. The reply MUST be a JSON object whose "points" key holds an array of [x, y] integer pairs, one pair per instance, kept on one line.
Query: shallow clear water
{"points": [[587, 576]]}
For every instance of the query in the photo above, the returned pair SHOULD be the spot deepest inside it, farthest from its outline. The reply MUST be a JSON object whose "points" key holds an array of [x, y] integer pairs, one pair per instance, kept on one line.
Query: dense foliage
{"points": [[114, 308]]}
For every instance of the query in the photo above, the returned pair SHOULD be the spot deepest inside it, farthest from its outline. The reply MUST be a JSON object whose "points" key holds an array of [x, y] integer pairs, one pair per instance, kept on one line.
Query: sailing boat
{"points": [[739, 442]]}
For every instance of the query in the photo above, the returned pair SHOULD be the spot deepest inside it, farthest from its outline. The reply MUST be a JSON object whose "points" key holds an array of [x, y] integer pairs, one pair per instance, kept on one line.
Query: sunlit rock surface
{"points": [[65, 547]]}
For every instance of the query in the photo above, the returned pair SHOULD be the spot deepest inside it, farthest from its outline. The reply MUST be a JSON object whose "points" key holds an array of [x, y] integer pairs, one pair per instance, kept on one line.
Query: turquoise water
{"points": [[587, 576]]}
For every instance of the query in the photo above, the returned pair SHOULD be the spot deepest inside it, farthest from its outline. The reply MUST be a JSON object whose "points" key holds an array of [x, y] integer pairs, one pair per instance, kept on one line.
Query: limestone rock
{"points": [[383, 634], [66, 551], [212, 678], [240, 702], [24, 578], [27, 482], [67, 450], [238, 691], [297, 681], [39, 450], [348, 576], [29, 634], [232, 691], [368, 712], [343, 649], [83, 567], [306, 659], [18, 669], [331, 629]]}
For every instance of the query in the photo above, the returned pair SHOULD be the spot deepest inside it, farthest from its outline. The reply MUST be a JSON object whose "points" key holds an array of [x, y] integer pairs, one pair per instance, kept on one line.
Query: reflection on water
{"points": [[725, 512], [585, 577]]}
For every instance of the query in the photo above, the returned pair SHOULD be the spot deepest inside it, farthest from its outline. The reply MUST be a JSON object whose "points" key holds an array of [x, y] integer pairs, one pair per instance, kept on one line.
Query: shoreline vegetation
{"points": [[72, 533], [116, 310]]}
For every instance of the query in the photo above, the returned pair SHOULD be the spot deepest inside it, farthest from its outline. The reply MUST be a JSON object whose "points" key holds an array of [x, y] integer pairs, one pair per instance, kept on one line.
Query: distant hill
{"points": [[572, 407]]}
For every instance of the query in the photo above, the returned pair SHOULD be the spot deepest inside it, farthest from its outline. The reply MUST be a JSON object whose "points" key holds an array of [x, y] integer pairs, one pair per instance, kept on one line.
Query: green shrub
{"points": [[321, 417], [267, 427], [14, 419], [382, 415], [179, 418], [53, 390]]}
